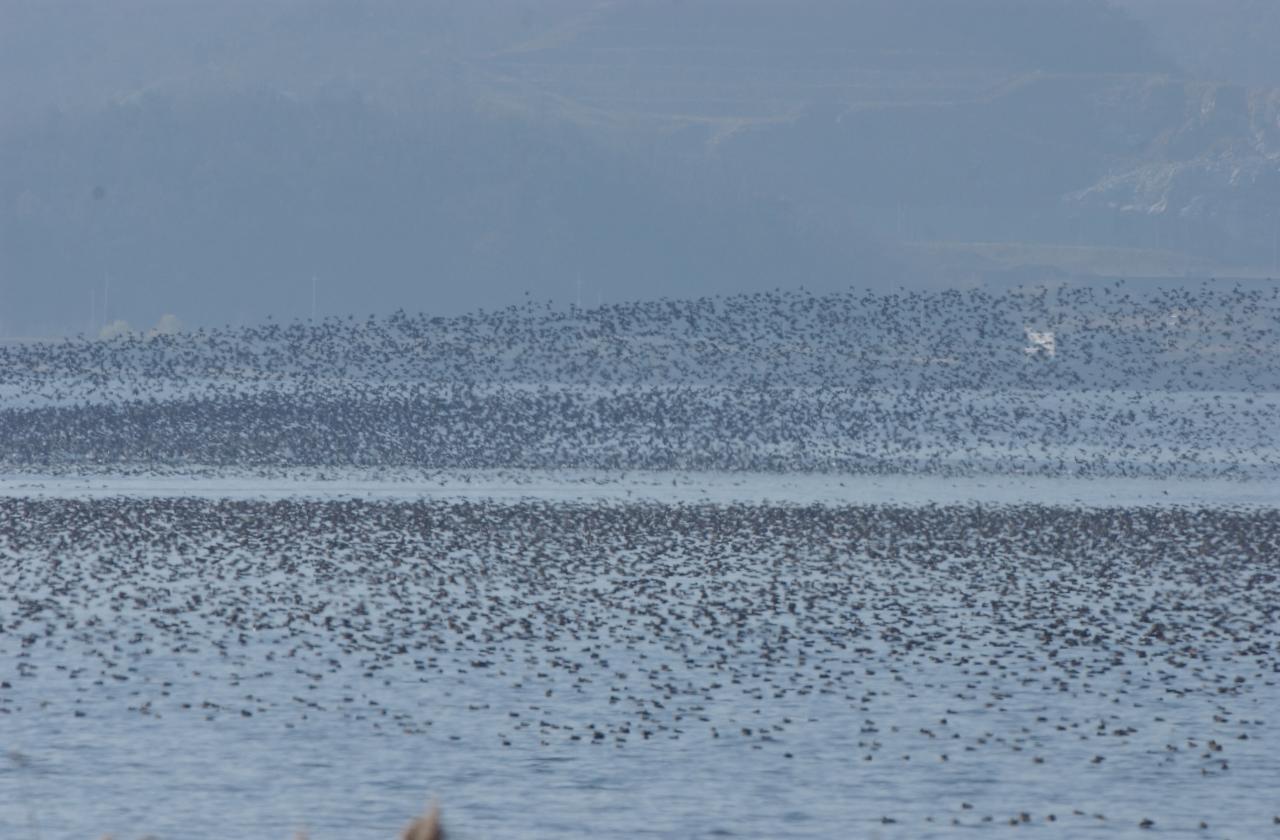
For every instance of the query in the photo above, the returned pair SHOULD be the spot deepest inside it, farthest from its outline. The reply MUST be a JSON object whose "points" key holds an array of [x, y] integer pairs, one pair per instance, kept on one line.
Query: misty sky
{"points": [[218, 161]]}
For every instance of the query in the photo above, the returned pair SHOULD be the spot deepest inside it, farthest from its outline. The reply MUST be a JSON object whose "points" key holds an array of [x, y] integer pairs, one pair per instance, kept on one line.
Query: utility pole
{"points": [[313, 297]]}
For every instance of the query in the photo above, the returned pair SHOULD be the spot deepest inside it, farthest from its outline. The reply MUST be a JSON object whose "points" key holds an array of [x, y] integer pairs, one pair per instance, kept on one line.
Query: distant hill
{"points": [[447, 155], [1232, 41], [224, 207]]}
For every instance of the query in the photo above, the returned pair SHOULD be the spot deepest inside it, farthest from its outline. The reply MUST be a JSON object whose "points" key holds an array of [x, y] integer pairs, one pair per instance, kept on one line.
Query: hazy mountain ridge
{"points": [[234, 203], [1230, 41], [443, 156], [1219, 169]]}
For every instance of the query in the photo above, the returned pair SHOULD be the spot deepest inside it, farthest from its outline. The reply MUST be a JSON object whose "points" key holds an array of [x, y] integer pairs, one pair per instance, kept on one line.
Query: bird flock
{"points": [[1156, 383], [891, 670], [1103, 645]]}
